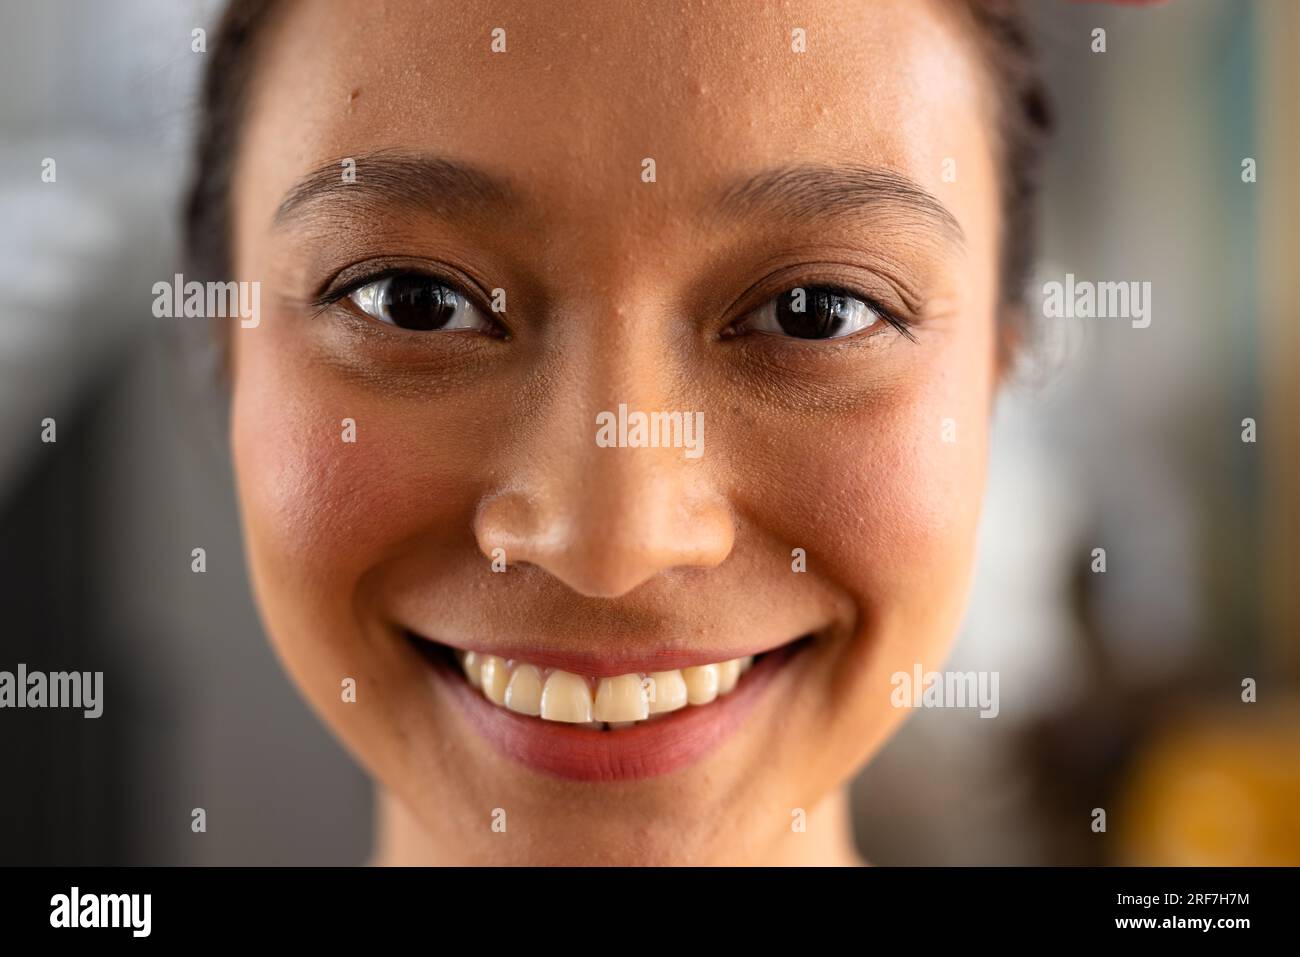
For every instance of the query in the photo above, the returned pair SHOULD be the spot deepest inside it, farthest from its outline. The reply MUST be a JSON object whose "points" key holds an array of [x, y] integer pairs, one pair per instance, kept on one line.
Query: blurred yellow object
{"points": [[1219, 788]]}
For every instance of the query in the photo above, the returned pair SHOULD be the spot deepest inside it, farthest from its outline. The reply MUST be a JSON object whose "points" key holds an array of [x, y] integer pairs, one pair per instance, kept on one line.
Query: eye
{"points": [[420, 303], [813, 312]]}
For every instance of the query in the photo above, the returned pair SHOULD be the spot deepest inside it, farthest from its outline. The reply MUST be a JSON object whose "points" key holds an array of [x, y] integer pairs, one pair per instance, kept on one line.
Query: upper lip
{"points": [[609, 662]]}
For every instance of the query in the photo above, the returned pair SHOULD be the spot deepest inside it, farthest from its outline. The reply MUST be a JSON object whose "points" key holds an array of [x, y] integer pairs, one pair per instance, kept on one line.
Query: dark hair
{"points": [[223, 97], [1023, 120]]}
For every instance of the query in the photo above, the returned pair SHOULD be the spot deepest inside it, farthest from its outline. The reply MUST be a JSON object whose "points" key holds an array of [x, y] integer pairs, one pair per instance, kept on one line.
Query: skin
{"points": [[618, 291]]}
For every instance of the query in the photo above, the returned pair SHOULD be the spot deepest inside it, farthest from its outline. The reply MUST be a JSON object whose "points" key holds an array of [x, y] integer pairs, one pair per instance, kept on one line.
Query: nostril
{"points": [[605, 519], [605, 543], [512, 521], [605, 574]]}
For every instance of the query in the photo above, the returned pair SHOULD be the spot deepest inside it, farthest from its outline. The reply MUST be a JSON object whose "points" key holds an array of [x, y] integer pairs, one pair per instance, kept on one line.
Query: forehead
{"points": [[583, 93]]}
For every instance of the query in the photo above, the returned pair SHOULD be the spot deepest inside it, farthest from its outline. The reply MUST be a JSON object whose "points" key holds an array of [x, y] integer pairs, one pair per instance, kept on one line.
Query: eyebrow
{"points": [[384, 179], [446, 187], [809, 192]]}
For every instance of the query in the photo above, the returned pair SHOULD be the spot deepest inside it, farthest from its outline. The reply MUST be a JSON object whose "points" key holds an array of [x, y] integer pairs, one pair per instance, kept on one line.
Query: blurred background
{"points": [[1120, 690]]}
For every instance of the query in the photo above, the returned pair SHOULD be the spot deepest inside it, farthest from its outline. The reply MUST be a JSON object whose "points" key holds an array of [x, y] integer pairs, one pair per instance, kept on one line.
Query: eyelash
{"points": [[892, 318], [897, 321], [331, 297], [900, 323], [779, 284]]}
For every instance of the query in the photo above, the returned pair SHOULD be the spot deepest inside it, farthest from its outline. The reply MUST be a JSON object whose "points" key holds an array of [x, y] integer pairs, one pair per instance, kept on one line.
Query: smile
{"points": [[605, 703], [587, 726]]}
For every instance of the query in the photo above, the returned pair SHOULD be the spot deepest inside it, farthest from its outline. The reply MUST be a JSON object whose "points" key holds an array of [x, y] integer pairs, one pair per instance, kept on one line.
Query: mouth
{"points": [[612, 720]]}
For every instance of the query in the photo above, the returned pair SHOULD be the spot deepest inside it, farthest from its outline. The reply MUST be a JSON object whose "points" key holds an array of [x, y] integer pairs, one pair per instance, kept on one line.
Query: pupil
{"points": [[824, 313], [416, 302]]}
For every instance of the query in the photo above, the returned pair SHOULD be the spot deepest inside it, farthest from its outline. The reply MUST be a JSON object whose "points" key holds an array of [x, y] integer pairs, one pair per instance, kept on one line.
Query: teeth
{"points": [[618, 702], [524, 693], [621, 699], [473, 665], [669, 691], [495, 675], [728, 675], [566, 697], [701, 683]]}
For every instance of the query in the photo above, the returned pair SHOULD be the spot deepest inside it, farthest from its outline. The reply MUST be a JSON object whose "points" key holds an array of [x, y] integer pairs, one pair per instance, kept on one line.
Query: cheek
{"points": [[887, 510], [331, 480], [919, 477], [886, 500]]}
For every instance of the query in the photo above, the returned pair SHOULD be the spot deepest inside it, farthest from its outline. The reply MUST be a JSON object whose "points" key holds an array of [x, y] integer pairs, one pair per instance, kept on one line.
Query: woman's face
{"points": [[834, 489]]}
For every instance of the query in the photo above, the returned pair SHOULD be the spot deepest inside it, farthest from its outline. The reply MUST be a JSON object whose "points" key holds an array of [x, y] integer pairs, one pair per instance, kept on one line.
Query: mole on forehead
{"points": [[405, 50]]}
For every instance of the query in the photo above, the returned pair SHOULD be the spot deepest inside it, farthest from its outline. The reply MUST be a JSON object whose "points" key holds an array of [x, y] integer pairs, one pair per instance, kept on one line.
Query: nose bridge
{"points": [[611, 486]]}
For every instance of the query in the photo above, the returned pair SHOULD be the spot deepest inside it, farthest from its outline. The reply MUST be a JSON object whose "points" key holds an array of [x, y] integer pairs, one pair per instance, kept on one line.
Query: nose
{"points": [[605, 518]]}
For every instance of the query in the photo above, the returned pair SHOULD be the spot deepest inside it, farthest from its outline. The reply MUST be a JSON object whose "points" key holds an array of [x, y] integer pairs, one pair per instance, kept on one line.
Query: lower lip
{"points": [[585, 754]]}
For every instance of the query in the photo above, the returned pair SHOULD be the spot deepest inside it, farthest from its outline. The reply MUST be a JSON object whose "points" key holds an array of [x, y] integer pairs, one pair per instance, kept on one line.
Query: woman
{"points": [[616, 423]]}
